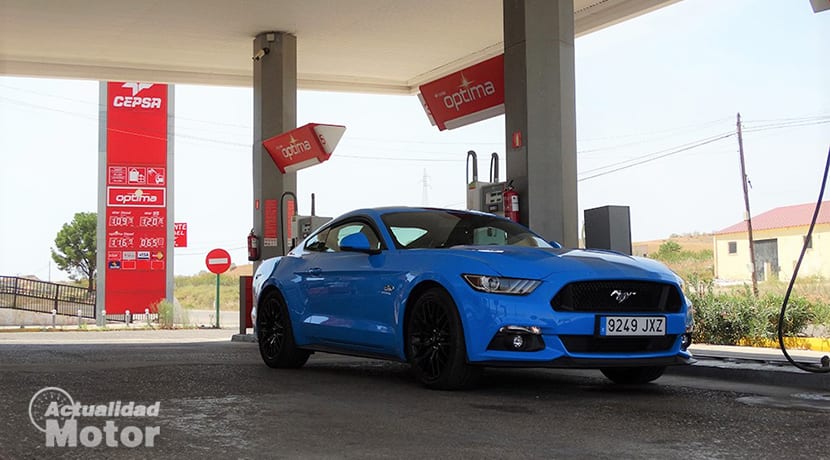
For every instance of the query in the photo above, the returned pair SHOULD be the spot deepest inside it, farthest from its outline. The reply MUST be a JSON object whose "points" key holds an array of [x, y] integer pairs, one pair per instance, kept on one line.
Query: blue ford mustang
{"points": [[451, 292]]}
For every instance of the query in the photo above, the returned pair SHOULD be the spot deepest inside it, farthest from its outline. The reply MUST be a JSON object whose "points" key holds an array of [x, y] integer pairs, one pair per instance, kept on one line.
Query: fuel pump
{"points": [[293, 228], [303, 226], [484, 196], [283, 222]]}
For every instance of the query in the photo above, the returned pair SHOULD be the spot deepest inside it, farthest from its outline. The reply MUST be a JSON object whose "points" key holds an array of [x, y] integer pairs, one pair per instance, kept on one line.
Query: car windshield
{"points": [[444, 229]]}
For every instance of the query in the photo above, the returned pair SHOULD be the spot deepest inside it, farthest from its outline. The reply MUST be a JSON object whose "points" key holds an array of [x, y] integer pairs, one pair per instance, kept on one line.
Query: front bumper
{"points": [[593, 363], [570, 339]]}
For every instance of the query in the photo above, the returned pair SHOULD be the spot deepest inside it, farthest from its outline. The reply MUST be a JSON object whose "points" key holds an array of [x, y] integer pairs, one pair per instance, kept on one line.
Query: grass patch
{"points": [[198, 292], [170, 316]]}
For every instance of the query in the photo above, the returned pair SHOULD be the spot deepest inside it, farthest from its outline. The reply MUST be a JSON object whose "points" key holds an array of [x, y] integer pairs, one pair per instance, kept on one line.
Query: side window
{"points": [[733, 247], [342, 232], [330, 240], [317, 243]]}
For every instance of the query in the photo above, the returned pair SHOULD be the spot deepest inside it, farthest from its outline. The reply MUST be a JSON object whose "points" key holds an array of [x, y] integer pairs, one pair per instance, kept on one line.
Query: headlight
{"points": [[500, 285]]}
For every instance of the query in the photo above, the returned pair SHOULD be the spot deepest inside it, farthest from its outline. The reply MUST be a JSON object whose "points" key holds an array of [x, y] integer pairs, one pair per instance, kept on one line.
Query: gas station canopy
{"points": [[377, 46]]}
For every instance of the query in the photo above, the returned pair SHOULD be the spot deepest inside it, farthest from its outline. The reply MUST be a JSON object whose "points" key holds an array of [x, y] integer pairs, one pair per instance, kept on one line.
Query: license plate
{"points": [[632, 325]]}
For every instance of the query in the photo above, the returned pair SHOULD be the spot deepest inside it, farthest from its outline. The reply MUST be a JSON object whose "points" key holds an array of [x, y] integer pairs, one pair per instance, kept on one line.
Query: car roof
{"points": [[378, 211]]}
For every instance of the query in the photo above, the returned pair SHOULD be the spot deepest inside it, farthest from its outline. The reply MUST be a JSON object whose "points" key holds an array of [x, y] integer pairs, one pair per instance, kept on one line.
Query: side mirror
{"points": [[357, 242], [555, 244]]}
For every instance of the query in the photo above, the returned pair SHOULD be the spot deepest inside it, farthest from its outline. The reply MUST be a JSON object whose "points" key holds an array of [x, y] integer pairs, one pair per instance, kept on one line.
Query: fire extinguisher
{"points": [[253, 246], [511, 202]]}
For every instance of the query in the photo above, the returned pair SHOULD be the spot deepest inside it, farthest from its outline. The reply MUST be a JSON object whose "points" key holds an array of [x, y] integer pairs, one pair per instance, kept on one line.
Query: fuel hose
{"points": [[824, 367]]}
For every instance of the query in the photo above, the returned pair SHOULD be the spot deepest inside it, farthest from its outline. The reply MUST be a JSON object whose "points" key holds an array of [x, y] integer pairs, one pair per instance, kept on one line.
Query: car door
{"points": [[350, 294]]}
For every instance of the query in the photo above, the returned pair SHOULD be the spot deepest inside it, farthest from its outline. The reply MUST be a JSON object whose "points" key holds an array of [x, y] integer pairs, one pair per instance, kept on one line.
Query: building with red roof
{"points": [[779, 234]]}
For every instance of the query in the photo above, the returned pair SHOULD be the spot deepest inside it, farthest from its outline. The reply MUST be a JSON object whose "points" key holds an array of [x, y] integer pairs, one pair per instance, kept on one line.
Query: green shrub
{"points": [[726, 318]]}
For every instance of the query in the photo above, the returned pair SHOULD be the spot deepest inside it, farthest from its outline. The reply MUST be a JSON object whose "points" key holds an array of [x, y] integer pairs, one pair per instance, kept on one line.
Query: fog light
{"points": [[518, 341], [517, 338]]}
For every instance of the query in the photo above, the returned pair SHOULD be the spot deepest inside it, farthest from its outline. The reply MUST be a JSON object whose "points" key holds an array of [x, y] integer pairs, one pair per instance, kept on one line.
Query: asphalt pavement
{"points": [[216, 399]]}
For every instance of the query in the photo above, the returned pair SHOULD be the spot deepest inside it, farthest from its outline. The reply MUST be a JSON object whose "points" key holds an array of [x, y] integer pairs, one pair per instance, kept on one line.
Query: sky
{"points": [[656, 98]]}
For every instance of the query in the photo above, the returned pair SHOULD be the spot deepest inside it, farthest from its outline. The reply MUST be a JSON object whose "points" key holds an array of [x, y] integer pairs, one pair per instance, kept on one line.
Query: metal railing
{"points": [[44, 297]]}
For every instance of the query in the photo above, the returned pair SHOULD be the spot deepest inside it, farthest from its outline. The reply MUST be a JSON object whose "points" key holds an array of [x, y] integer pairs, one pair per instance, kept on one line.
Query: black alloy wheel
{"points": [[435, 343], [274, 334]]}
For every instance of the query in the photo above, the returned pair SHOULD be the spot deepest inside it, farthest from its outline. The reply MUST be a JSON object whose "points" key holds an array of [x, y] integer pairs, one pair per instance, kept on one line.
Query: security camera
{"points": [[258, 56]]}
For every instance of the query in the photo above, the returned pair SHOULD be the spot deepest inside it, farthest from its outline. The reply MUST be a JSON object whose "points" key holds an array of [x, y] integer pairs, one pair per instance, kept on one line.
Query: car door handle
{"points": [[316, 271]]}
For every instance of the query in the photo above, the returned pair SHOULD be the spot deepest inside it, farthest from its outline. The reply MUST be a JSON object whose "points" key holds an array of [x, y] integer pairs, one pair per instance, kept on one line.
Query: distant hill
{"points": [[687, 242], [242, 270]]}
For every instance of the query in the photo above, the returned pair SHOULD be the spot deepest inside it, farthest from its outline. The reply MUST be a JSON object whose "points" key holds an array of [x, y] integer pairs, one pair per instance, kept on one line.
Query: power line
{"points": [[684, 128], [648, 160], [786, 125], [659, 153], [98, 105], [771, 124], [676, 150]]}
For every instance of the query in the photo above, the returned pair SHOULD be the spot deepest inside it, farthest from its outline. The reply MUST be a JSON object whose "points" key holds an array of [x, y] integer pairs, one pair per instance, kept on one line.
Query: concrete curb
{"points": [[243, 338], [755, 371]]}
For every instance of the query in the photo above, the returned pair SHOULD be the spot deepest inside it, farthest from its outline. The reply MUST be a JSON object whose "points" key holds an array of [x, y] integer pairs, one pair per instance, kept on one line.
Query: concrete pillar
{"points": [[275, 111], [540, 106], [101, 226]]}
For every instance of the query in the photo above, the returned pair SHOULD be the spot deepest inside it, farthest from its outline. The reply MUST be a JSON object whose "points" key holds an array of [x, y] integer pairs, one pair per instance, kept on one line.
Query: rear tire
{"points": [[275, 335], [435, 344], [633, 375]]}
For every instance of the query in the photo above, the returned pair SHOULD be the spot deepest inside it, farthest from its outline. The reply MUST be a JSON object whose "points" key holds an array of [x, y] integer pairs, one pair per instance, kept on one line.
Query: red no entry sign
{"points": [[218, 261]]}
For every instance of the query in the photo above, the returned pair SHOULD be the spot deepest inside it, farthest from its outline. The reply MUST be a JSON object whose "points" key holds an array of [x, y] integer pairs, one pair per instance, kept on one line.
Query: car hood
{"points": [[540, 263]]}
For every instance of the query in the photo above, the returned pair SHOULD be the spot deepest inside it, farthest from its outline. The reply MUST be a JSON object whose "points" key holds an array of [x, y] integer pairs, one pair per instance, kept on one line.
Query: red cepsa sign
{"points": [[136, 124], [218, 261], [180, 235], [467, 96], [305, 146]]}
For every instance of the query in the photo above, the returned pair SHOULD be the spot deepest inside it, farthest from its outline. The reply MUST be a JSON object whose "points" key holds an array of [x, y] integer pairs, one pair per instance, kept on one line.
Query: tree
{"points": [[76, 243], [669, 251]]}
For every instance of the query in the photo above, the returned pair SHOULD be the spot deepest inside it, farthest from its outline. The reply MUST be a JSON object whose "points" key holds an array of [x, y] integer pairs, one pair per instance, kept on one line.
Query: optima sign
{"points": [[305, 146], [138, 197], [467, 96]]}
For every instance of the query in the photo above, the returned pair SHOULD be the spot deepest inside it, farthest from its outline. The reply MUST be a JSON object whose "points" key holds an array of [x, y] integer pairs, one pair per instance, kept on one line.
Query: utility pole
{"points": [[748, 215], [424, 192]]}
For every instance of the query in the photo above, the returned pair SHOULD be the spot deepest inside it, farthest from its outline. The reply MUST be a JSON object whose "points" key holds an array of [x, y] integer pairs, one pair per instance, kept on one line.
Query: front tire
{"points": [[435, 343], [633, 375], [275, 336]]}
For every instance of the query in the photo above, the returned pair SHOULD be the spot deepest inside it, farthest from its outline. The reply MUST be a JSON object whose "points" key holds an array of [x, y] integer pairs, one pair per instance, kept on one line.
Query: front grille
{"points": [[617, 296], [593, 344]]}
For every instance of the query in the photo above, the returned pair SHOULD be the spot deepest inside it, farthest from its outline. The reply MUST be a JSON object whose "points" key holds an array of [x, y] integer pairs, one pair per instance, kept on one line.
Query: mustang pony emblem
{"points": [[621, 296]]}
